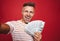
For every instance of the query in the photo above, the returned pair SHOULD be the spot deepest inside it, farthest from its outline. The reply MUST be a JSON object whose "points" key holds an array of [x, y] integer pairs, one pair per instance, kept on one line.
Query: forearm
{"points": [[4, 28]]}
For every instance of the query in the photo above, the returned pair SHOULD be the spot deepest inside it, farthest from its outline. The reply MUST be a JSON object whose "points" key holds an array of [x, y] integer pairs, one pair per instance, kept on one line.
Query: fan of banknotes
{"points": [[34, 26]]}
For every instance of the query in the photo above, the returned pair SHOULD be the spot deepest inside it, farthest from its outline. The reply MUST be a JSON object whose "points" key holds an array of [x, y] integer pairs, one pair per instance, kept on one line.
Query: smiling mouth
{"points": [[28, 17]]}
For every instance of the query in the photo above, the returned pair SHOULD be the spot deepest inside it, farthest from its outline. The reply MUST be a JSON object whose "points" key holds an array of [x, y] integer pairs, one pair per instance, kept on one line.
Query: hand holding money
{"points": [[34, 26], [37, 36]]}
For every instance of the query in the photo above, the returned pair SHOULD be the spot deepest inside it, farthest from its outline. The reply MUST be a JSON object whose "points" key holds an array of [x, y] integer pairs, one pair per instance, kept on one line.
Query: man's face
{"points": [[28, 13]]}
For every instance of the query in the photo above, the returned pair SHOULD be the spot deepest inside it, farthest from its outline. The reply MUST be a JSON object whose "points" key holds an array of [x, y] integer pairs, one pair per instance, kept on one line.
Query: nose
{"points": [[28, 13]]}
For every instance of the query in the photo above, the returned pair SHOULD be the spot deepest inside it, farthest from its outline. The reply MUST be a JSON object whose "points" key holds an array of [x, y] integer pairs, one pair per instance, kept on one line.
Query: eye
{"points": [[26, 11], [31, 11]]}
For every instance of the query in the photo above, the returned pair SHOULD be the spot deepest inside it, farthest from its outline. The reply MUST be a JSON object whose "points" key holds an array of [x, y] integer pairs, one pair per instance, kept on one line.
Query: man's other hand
{"points": [[37, 36]]}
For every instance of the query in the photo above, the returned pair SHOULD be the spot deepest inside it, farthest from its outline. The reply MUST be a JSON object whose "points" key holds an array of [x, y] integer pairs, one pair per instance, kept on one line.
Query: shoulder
{"points": [[38, 21], [11, 22]]}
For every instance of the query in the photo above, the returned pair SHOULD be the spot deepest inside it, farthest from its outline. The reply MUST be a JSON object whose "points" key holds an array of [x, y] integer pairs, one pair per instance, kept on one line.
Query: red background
{"points": [[46, 10]]}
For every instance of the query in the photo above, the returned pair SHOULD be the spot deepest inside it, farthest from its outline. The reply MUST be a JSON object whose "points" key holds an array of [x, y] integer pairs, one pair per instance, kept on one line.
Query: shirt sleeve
{"points": [[11, 27]]}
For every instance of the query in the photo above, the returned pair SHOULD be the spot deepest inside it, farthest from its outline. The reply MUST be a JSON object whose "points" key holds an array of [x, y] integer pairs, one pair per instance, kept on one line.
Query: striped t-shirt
{"points": [[17, 31]]}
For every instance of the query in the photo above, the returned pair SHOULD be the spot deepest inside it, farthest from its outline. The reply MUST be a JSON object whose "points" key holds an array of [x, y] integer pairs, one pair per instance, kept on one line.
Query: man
{"points": [[16, 28]]}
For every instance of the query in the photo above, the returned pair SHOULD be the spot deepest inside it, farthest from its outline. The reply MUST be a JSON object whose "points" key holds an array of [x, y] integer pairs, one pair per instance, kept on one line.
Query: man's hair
{"points": [[29, 4]]}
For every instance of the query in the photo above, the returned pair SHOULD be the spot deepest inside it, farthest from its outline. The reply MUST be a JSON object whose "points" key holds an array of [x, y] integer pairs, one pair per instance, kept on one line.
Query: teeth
{"points": [[27, 17]]}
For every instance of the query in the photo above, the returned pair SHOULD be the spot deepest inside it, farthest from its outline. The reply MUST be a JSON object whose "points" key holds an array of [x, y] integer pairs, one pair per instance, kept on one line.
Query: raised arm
{"points": [[4, 28]]}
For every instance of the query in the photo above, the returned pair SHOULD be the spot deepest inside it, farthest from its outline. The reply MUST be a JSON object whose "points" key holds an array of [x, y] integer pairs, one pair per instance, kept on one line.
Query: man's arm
{"points": [[4, 28]]}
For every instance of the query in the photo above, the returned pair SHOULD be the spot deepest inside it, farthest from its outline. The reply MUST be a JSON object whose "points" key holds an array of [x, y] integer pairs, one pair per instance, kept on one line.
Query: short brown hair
{"points": [[29, 4]]}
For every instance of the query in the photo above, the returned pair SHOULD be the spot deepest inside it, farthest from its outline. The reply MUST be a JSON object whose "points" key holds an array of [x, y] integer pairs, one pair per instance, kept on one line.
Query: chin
{"points": [[27, 22]]}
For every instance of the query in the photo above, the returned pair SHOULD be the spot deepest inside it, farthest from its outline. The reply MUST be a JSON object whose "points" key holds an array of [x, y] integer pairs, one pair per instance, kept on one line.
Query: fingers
{"points": [[37, 36]]}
